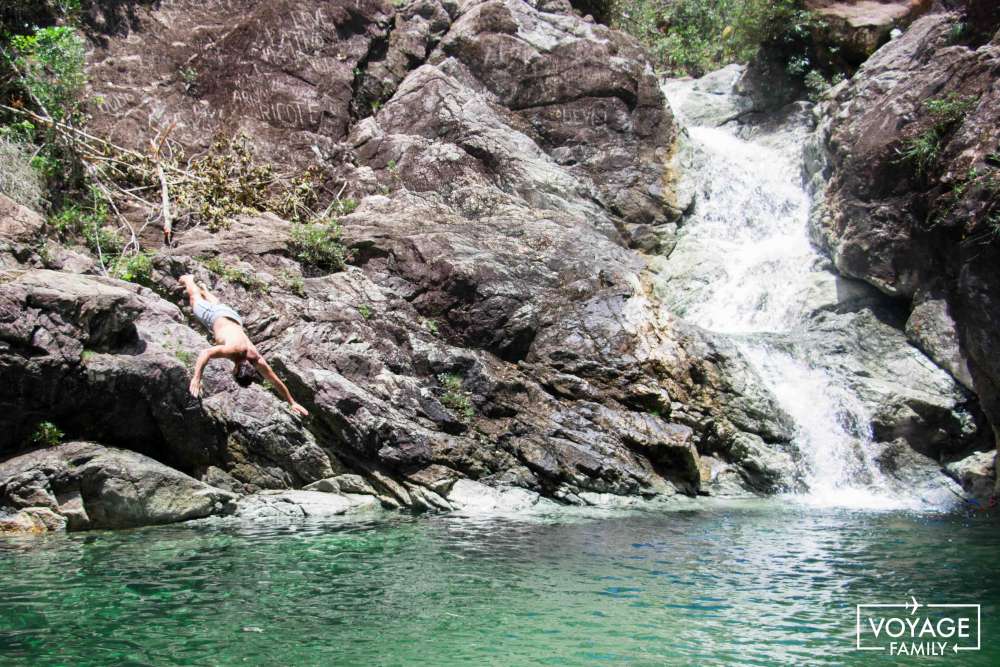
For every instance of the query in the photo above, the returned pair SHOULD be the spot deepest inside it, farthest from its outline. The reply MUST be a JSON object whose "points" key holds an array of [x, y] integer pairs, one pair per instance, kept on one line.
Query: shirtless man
{"points": [[233, 344]]}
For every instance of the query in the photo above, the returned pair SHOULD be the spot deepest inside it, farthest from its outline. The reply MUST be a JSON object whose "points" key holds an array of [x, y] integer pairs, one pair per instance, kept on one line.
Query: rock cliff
{"points": [[496, 338], [912, 204], [496, 322]]}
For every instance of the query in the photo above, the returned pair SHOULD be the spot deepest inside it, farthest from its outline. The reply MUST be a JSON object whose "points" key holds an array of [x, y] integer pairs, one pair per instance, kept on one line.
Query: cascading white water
{"points": [[744, 267]]}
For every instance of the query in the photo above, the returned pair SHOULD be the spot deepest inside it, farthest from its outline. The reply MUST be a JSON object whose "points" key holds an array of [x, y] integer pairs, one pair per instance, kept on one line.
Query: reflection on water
{"points": [[761, 583]]}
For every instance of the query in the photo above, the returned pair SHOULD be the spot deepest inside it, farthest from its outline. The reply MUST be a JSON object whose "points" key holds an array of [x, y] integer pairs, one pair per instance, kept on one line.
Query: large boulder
{"points": [[850, 31], [82, 485]]}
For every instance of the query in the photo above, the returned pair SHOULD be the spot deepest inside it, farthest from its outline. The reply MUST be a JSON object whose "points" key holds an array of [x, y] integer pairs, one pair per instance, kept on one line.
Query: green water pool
{"points": [[753, 583]]}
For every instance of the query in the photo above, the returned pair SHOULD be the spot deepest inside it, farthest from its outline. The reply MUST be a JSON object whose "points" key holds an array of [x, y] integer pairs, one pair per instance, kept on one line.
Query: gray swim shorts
{"points": [[207, 313]]}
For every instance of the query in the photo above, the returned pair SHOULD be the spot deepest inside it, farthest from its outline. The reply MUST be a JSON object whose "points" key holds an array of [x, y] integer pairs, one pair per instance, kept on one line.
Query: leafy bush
{"points": [[343, 206], [50, 64], [816, 84], [696, 36], [90, 222], [47, 434], [137, 268], [454, 398], [318, 245]]}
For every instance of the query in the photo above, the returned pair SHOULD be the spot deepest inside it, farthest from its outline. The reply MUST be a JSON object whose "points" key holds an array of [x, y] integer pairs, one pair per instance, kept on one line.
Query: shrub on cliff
{"points": [[318, 246], [696, 36]]}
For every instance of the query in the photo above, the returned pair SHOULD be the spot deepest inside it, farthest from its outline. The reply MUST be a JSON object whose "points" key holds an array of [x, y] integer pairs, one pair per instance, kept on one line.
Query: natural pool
{"points": [[757, 583]]}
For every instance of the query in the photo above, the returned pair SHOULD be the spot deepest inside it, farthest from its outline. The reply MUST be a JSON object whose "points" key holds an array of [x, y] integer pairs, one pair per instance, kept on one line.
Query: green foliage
{"points": [[294, 283], [186, 357], [817, 85], [189, 77], [949, 109], [696, 36], [20, 132], [50, 64], [365, 311], [318, 245], [923, 150], [46, 434], [993, 227], [343, 206], [137, 268], [430, 325], [455, 398], [958, 32], [88, 221], [231, 274]]}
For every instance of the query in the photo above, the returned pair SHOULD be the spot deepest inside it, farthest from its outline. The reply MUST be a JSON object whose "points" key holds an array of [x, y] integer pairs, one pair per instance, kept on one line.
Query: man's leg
{"points": [[192, 290], [206, 295]]}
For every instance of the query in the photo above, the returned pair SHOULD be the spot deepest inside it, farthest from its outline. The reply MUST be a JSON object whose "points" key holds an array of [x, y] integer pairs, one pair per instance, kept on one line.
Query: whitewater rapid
{"points": [[745, 268]]}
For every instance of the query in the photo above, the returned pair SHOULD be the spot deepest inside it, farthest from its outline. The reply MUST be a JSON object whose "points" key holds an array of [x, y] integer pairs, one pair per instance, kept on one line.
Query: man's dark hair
{"points": [[245, 373]]}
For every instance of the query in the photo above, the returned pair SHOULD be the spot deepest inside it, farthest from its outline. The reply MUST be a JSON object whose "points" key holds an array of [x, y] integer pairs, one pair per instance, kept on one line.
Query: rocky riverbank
{"points": [[498, 327]]}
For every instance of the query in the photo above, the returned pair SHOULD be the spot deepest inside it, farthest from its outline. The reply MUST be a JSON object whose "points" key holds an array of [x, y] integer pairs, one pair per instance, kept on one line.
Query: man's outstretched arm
{"points": [[199, 366], [268, 373]]}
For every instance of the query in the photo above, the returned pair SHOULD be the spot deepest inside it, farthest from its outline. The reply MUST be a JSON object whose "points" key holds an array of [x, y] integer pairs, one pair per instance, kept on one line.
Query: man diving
{"points": [[232, 343]]}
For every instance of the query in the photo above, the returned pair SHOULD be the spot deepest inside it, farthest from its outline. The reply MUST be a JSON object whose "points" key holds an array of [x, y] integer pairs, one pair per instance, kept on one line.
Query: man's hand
{"points": [[195, 387], [298, 409]]}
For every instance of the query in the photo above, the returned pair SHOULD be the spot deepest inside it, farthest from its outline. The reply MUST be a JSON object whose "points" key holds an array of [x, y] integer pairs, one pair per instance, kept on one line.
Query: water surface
{"points": [[755, 583]]}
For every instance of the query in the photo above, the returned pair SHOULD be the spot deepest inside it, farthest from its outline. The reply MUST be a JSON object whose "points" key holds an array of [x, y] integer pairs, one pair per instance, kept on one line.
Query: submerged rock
{"points": [[82, 485]]}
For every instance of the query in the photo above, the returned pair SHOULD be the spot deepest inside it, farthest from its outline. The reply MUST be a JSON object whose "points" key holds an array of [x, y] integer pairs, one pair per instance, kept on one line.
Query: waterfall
{"points": [[744, 267]]}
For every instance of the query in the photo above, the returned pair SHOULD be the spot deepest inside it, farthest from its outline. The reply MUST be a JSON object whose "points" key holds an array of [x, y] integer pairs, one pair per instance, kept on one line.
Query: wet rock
{"points": [[472, 497], [711, 100], [293, 505], [912, 474], [347, 483], [91, 486], [903, 393], [108, 360], [931, 328], [764, 468], [722, 479], [496, 326], [31, 520], [977, 475]]}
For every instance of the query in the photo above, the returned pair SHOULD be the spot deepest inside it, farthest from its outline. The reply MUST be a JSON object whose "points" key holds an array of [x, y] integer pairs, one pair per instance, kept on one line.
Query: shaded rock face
{"points": [[81, 485], [508, 157], [853, 30], [924, 238]]}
